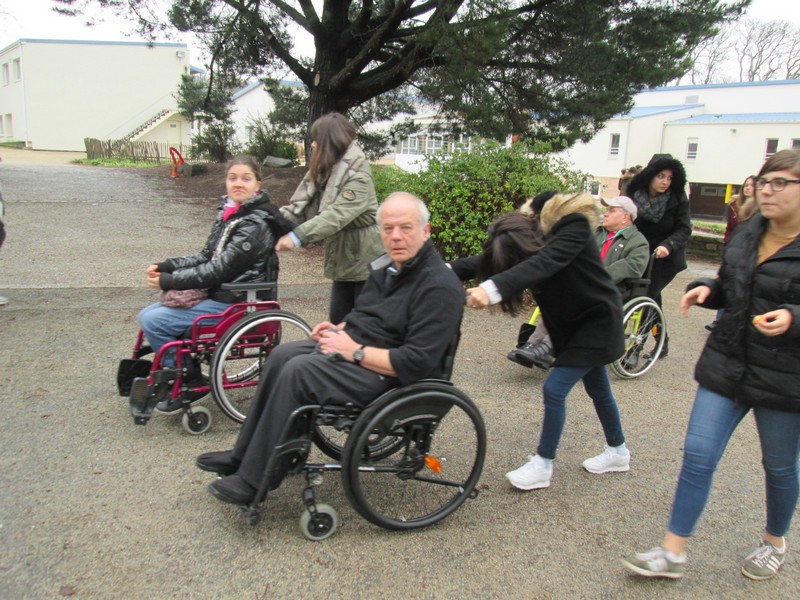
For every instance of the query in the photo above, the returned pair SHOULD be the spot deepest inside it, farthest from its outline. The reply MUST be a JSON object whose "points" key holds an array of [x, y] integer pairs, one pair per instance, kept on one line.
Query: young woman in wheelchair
{"points": [[556, 258], [240, 249], [398, 332]]}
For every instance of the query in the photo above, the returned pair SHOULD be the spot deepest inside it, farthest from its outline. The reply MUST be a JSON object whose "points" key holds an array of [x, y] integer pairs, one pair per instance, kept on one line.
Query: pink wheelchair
{"points": [[221, 354]]}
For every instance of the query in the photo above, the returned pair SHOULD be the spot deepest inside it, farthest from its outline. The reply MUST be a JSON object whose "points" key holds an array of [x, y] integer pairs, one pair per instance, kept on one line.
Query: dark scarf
{"points": [[651, 209]]}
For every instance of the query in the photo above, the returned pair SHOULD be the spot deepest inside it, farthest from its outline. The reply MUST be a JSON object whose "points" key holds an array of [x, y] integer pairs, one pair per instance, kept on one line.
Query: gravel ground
{"points": [[92, 506]]}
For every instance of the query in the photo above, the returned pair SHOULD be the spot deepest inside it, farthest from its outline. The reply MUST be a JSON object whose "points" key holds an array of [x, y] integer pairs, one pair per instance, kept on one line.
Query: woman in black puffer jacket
{"points": [[750, 362]]}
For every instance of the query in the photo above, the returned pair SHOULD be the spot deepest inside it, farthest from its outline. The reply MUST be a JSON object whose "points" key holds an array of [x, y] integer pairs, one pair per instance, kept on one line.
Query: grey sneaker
{"points": [[654, 563], [764, 562]]}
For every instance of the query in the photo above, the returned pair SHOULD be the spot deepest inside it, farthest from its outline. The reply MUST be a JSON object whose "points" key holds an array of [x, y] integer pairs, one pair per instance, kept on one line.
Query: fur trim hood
{"points": [[561, 205], [658, 163]]}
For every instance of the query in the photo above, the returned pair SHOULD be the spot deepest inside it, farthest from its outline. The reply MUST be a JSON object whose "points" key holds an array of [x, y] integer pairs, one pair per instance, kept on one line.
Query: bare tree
{"points": [[708, 59], [766, 49]]}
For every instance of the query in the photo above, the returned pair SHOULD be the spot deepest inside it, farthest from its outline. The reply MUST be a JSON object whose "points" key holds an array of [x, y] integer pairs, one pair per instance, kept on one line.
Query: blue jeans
{"points": [[162, 324], [558, 384], [713, 420]]}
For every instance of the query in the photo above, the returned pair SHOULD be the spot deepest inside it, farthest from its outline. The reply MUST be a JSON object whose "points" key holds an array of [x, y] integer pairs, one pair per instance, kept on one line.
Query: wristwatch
{"points": [[358, 355]]}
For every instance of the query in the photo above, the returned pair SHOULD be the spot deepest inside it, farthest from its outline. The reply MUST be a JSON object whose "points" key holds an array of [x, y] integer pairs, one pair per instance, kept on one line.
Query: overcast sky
{"points": [[35, 19]]}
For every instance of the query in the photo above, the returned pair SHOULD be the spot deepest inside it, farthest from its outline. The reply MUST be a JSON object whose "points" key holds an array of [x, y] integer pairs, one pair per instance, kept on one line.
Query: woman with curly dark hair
{"points": [[664, 219]]}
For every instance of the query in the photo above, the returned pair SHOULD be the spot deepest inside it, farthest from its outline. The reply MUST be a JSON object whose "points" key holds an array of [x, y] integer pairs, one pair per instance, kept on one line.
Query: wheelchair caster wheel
{"points": [[197, 421], [321, 524], [252, 515]]}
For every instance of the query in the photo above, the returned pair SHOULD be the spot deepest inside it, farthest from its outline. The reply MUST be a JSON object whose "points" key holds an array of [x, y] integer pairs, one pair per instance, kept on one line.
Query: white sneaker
{"points": [[610, 461], [533, 475]]}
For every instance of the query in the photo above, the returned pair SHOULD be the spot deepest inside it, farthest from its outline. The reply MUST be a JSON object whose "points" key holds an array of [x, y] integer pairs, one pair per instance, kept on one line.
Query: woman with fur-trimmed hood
{"points": [[559, 263], [663, 218]]}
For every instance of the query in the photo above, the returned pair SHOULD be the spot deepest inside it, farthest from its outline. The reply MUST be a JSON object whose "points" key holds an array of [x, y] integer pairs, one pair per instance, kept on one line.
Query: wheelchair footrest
{"points": [[140, 410], [128, 370]]}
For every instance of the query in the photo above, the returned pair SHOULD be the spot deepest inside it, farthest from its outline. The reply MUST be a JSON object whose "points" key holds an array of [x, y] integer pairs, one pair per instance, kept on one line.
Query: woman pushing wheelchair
{"points": [[240, 249]]}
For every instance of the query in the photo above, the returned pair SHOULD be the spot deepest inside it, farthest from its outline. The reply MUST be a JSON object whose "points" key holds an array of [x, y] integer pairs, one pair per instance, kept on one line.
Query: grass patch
{"points": [[112, 162], [12, 144], [708, 227]]}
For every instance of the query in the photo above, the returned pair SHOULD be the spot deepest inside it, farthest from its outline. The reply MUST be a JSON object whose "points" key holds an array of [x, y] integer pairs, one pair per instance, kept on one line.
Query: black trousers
{"points": [[293, 376]]}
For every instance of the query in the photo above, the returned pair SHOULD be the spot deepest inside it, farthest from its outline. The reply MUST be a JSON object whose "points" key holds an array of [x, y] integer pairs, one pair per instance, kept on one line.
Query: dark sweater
{"points": [[415, 314]]}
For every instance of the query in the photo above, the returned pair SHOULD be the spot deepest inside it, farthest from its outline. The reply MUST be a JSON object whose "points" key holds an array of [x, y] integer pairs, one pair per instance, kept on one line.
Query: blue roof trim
{"points": [[638, 112], [255, 84], [742, 118], [101, 43], [667, 88]]}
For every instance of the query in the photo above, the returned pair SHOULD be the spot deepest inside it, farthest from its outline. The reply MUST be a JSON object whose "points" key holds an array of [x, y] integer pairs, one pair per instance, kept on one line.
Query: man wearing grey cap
{"points": [[623, 248], [625, 253]]}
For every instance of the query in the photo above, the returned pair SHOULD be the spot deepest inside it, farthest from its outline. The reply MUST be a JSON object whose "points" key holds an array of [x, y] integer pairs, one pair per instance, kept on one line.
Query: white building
{"points": [[720, 132], [55, 93]]}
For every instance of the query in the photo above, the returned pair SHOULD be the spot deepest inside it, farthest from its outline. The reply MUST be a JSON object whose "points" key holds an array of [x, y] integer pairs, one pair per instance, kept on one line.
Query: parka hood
{"points": [[658, 163]]}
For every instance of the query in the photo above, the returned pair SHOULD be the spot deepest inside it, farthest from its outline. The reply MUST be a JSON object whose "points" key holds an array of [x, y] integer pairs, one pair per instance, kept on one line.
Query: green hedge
{"points": [[467, 191]]}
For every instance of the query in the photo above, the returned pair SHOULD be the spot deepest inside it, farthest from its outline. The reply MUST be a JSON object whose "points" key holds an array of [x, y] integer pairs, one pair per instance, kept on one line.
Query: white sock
{"points": [[672, 557], [621, 449]]}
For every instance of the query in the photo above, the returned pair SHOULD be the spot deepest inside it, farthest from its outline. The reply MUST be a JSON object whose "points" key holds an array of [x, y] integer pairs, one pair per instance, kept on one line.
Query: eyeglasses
{"points": [[778, 184]]}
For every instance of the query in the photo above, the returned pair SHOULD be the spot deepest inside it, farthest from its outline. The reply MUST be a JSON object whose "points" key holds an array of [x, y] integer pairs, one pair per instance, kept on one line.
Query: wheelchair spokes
{"points": [[427, 465], [645, 333]]}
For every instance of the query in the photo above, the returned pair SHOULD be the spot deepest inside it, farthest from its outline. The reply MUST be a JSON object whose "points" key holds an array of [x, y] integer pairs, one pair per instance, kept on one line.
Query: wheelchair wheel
{"points": [[438, 442], [331, 441], [241, 352], [645, 332], [197, 421], [321, 524]]}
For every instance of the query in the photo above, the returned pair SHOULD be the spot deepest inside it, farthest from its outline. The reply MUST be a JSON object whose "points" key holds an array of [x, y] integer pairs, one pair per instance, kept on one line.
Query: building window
{"points": [[434, 144], [796, 144], [613, 149], [5, 73], [411, 145], [17, 70], [772, 147], [691, 148], [8, 129]]}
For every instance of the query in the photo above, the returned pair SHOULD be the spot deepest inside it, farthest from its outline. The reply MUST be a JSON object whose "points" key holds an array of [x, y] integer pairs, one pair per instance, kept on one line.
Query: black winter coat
{"points": [[580, 304], [246, 246], [675, 227], [737, 361]]}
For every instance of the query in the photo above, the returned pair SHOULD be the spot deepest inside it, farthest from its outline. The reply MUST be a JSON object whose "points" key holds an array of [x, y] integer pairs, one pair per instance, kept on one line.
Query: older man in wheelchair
{"points": [[399, 331]]}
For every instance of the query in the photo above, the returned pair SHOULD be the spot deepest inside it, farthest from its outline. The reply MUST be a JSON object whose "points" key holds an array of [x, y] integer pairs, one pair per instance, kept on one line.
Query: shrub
{"points": [[266, 141], [390, 178], [215, 141], [467, 191]]}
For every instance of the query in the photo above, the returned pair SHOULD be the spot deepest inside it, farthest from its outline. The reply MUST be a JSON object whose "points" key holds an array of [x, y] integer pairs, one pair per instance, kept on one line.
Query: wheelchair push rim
{"points": [[240, 355], [645, 331]]}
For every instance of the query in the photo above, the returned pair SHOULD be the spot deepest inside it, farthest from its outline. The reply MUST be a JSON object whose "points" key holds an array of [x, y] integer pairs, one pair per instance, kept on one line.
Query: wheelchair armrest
{"points": [[633, 288], [253, 289]]}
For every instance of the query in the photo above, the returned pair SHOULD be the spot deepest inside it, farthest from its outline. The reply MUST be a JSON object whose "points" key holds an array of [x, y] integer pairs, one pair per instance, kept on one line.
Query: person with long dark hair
{"points": [[750, 363], [336, 202], [555, 256], [664, 218]]}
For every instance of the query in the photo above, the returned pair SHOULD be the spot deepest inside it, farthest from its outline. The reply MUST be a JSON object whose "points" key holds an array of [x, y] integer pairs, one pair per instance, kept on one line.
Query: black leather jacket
{"points": [[245, 252]]}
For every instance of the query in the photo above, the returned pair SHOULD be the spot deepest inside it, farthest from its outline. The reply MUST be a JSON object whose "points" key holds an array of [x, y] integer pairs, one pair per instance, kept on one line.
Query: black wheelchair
{"points": [[408, 459], [219, 353]]}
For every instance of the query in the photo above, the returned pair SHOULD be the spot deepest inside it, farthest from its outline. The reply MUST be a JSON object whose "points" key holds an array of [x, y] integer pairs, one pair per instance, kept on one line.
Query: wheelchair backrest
{"points": [[633, 288], [449, 358]]}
